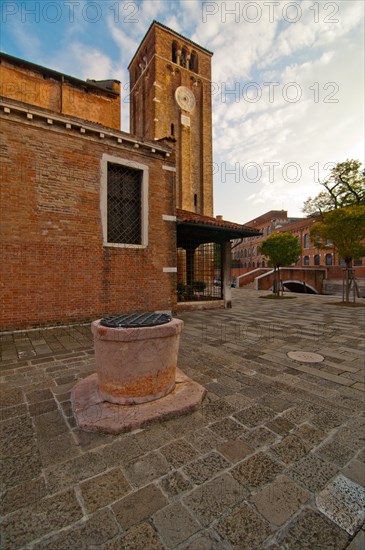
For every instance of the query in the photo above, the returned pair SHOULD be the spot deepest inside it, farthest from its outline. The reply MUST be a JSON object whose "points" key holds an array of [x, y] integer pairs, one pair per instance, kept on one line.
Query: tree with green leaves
{"points": [[344, 228], [345, 186], [281, 249]]}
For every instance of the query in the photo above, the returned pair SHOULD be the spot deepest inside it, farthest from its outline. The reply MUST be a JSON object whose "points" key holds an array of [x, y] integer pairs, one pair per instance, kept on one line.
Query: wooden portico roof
{"points": [[198, 229]]}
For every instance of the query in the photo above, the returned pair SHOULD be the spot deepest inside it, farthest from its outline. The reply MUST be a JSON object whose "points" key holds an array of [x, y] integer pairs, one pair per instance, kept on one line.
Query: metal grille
{"points": [[199, 272], [136, 320], [124, 204]]}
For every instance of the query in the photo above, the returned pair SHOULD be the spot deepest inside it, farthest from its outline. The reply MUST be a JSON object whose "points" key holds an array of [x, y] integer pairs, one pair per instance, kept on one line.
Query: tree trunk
{"points": [[348, 277], [276, 282]]}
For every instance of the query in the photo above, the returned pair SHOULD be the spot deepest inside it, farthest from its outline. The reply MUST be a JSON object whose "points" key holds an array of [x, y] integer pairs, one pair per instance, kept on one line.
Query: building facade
{"points": [[96, 221], [75, 244], [246, 254]]}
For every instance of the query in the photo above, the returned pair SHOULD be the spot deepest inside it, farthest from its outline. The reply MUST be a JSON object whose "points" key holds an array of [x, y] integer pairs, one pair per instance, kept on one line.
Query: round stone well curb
{"points": [[92, 413], [137, 381]]}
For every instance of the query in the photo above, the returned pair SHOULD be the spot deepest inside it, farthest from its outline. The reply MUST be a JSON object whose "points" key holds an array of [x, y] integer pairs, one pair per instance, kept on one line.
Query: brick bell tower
{"points": [[170, 79]]}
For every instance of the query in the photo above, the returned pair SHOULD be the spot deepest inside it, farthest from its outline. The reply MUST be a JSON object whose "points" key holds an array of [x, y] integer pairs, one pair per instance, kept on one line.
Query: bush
{"points": [[180, 288], [199, 286]]}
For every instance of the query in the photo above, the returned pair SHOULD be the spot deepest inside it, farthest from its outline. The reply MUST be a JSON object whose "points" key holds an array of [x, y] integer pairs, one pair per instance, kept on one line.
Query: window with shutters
{"points": [[124, 202]]}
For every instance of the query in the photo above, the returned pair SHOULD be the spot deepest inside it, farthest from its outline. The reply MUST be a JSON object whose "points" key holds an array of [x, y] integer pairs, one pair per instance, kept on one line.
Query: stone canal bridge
{"points": [[295, 279]]}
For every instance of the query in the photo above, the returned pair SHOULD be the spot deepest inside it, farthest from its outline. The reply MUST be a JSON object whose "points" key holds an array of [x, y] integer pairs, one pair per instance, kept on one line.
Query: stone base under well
{"points": [[94, 414]]}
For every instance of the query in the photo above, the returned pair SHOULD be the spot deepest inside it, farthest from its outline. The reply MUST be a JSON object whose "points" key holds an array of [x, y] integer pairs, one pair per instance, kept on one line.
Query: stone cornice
{"points": [[78, 127]]}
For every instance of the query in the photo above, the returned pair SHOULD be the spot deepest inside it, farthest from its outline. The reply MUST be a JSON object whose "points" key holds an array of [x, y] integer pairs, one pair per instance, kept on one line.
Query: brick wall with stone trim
{"points": [[54, 267], [59, 93]]}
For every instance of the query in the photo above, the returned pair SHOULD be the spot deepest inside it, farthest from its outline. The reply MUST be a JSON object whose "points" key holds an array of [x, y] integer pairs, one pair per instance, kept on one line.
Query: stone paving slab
{"points": [[257, 466], [343, 502]]}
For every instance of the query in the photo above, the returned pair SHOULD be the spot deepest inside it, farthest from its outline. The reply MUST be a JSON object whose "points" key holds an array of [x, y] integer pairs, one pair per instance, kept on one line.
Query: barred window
{"points": [[124, 204]]}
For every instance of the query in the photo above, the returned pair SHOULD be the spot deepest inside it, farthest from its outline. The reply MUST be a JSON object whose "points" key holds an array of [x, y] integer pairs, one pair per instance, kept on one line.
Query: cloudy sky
{"points": [[288, 81]]}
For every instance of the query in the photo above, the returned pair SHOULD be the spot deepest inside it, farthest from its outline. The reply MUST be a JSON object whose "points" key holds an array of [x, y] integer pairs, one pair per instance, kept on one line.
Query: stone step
{"points": [[248, 285]]}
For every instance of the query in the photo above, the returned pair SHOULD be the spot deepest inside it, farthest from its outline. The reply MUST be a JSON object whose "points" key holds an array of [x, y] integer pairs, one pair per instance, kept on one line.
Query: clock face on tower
{"points": [[185, 98]]}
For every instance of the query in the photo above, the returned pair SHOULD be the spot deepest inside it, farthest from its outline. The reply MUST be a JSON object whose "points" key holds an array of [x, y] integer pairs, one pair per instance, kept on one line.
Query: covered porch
{"points": [[204, 259]]}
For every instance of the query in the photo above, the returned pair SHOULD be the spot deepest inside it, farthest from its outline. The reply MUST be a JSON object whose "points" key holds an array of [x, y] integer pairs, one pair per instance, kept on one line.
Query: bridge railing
{"points": [[250, 276], [312, 275]]}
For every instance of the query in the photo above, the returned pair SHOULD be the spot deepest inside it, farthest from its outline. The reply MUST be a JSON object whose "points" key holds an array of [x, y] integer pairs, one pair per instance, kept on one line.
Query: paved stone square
{"points": [[274, 458]]}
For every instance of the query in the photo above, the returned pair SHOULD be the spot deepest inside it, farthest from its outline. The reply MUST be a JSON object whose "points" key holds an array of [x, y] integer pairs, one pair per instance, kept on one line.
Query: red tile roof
{"points": [[191, 217]]}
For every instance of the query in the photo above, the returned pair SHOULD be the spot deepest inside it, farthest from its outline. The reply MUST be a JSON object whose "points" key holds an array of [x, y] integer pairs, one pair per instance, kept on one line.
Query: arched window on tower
{"points": [[194, 62], [172, 130], [175, 48], [184, 55]]}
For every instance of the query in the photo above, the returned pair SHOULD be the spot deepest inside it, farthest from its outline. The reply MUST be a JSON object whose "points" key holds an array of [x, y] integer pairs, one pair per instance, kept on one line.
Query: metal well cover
{"points": [[136, 320]]}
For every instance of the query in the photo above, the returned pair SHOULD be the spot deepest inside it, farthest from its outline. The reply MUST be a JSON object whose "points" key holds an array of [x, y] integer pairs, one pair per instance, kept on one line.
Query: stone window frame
{"points": [[111, 159]]}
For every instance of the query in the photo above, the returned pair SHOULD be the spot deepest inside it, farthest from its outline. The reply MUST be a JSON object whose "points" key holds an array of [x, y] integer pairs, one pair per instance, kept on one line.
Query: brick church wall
{"points": [[54, 266]]}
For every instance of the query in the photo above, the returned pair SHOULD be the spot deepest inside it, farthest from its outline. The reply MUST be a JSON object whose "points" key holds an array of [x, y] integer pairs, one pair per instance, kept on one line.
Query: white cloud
{"points": [[316, 29], [173, 23], [84, 62], [151, 10], [236, 46], [322, 57], [325, 125], [25, 40], [126, 44]]}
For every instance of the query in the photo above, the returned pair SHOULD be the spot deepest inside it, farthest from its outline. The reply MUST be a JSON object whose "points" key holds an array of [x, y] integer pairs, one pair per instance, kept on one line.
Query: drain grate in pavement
{"points": [[305, 356]]}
